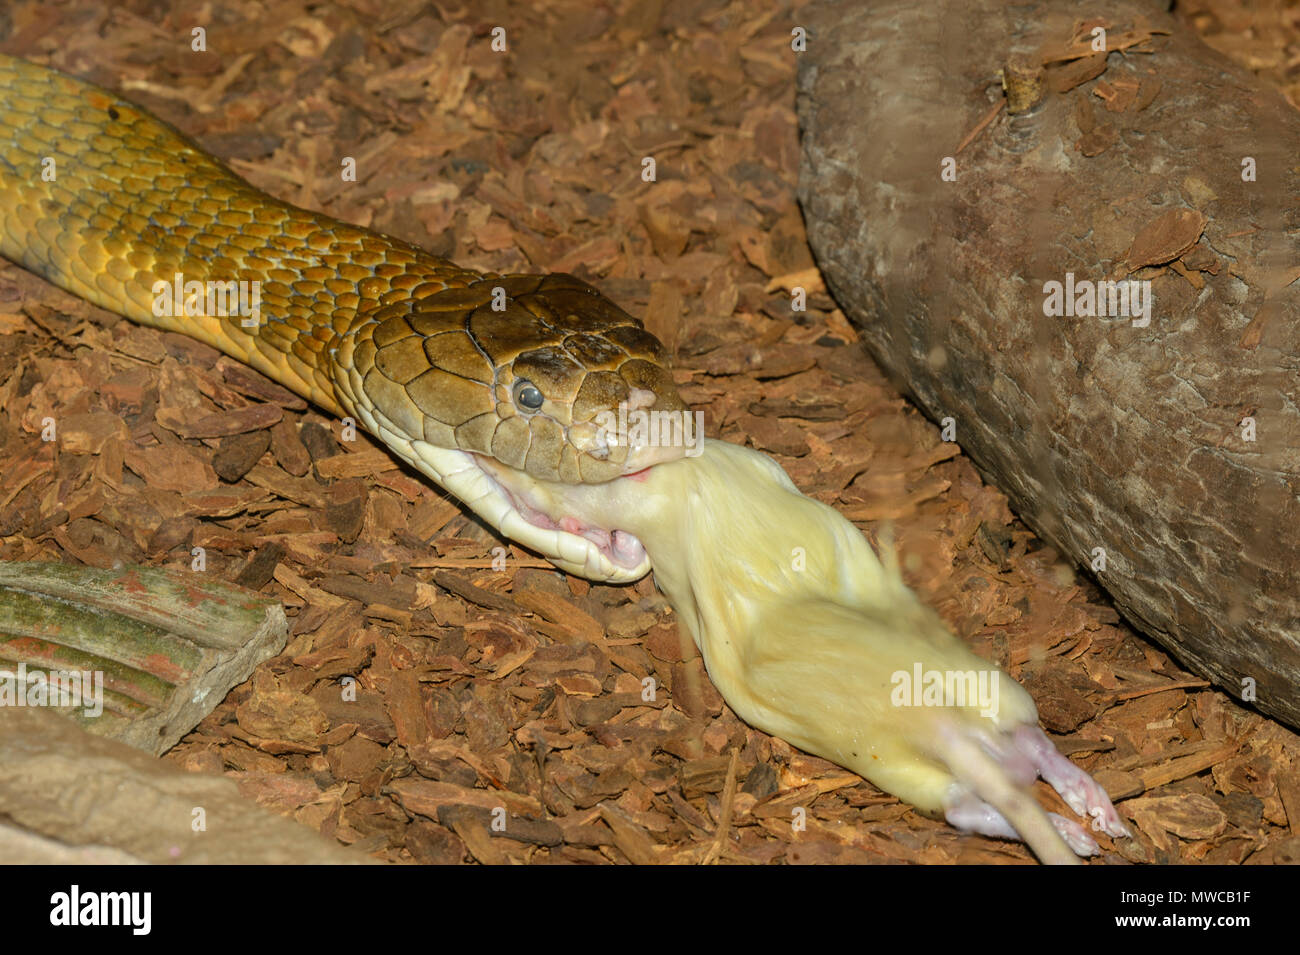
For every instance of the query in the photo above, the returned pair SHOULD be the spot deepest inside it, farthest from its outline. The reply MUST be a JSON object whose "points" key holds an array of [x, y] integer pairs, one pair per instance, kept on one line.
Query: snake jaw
{"points": [[500, 495], [573, 544]]}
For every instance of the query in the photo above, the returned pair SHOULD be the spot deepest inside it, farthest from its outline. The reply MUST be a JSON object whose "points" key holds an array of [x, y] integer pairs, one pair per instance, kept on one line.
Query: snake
{"points": [[467, 375]]}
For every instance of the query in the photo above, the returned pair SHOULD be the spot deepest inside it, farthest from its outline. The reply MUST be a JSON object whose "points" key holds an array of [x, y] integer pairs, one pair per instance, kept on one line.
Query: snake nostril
{"points": [[528, 396]]}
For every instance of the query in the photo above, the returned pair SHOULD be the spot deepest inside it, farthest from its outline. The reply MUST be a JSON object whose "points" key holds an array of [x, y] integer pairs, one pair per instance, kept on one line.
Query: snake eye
{"points": [[527, 395]]}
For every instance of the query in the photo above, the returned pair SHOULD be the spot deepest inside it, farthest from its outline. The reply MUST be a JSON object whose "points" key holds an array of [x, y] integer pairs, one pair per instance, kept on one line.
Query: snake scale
{"points": [[451, 368]]}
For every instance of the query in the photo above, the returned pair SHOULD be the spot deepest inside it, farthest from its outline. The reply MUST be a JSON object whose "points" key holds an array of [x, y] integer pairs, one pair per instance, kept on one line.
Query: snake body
{"points": [[446, 365]]}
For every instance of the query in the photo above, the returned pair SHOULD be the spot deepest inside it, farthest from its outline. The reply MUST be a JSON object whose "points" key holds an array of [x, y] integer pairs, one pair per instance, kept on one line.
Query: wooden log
{"points": [[1160, 449], [137, 654]]}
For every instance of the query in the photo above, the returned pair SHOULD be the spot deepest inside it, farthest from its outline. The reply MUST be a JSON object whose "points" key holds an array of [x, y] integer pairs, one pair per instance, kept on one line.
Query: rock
{"points": [[67, 796], [1164, 456]]}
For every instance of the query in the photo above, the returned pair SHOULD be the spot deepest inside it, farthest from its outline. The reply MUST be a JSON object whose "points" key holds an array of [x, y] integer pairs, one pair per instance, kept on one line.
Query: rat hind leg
{"points": [[965, 810], [1012, 805]]}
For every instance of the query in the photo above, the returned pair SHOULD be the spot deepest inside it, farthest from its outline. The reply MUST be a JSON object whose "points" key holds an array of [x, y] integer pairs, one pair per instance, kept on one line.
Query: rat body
{"points": [[809, 637]]}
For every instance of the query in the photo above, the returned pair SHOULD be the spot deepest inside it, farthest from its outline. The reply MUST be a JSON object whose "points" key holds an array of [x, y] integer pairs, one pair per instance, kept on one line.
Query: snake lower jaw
{"points": [[574, 543]]}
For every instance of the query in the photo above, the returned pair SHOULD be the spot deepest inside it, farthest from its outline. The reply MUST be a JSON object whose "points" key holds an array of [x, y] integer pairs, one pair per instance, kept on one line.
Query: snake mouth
{"points": [[567, 532], [515, 504]]}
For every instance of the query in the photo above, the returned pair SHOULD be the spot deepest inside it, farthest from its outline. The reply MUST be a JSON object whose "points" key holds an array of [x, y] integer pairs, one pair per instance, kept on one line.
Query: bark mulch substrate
{"points": [[422, 691]]}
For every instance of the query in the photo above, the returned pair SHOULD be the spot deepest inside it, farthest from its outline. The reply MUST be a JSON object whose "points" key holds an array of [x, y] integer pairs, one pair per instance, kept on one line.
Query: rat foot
{"points": [[980, 769], [968, 812], [990, 796], [1080, 791]]}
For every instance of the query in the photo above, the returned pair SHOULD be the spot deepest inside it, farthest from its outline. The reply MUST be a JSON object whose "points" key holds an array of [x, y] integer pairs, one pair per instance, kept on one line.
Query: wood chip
{"points": [[1166, 238]]}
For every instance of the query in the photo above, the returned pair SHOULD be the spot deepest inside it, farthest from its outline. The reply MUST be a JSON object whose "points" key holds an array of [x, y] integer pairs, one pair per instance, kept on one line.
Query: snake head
{"points": [[507, 380], [593, 418], [595, 401], [541, 373]]}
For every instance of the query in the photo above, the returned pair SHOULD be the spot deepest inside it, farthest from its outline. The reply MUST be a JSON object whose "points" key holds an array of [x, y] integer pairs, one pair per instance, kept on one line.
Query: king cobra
{"points": [[447, 366], [495, 386]]}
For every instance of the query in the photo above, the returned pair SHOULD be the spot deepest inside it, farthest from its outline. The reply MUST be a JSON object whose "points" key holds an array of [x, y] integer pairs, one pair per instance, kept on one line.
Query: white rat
{"points": [[810, 638]]}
